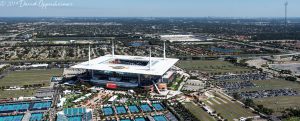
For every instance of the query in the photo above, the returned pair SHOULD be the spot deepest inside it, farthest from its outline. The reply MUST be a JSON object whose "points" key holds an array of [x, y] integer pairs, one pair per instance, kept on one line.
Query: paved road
{"points": [[54, 102]]}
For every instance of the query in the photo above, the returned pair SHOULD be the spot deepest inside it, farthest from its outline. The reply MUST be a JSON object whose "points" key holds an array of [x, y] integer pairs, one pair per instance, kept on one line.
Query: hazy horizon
{"points": [[144, 8]]}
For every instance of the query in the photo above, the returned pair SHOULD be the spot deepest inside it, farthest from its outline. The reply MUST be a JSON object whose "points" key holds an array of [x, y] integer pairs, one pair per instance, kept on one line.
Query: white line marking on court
{"points": [[215, 100], [221, 100], [210, 102]]}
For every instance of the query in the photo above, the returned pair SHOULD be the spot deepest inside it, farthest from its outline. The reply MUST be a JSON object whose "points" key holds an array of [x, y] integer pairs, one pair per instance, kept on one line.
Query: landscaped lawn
{"points": [[175, 85]]}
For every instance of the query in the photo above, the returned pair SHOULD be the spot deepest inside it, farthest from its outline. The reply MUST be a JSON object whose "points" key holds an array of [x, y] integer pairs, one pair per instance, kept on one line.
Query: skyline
{"points": [[153, 8]]}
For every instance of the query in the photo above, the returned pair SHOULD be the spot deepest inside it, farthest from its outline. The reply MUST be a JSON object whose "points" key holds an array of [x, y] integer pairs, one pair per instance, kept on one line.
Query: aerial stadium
{"points": [[124, 71]]}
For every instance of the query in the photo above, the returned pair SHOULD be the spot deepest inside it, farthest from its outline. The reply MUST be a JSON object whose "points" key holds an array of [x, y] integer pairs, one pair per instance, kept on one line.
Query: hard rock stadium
{"points": [[124, 71]]}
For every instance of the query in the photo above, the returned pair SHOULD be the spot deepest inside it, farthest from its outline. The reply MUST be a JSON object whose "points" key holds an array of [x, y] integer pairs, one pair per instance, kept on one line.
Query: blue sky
{"points": [[155, 8]]}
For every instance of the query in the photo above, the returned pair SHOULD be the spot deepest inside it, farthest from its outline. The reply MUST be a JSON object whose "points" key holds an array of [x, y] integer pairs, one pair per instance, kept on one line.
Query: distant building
{"points": [[185, 38], [34, 66], [137, 43], [72, 41], [71, 72], [39, 65]]}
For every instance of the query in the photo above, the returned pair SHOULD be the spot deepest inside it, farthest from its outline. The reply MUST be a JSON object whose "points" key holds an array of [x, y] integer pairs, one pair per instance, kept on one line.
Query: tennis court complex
{"points": [[5, 108]]}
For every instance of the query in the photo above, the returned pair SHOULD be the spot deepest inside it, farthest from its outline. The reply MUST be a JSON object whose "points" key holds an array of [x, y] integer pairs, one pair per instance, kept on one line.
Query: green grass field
{"points": [[273, 84], [292, 119], [280, 103], [16, 93], [228, 109], [197, 111], [212, 66], [20, 78]]}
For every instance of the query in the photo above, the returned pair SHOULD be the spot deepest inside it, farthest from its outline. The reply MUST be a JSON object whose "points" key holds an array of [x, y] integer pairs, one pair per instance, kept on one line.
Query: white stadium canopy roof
{"points": [[159, 66]]}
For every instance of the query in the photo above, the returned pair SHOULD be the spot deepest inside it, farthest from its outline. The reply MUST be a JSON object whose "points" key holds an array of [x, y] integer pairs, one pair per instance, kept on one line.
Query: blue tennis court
{"points": [[108, 111], [36, 117], [74, 111], [75, 114], [160, 118], [146, 107], [14, 107], [74, 118], [125, 120], [41, 105], [11, 118], [121, 110], [139, 119], [133, 109], [158, 106], [24, 106]]}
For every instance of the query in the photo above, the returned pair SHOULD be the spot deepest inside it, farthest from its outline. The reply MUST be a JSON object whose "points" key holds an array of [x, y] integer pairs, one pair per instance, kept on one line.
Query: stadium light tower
{"points": [[112, 48], [285, 16], [150, 63], [90, 60], [164, 49], [89, 54]]}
